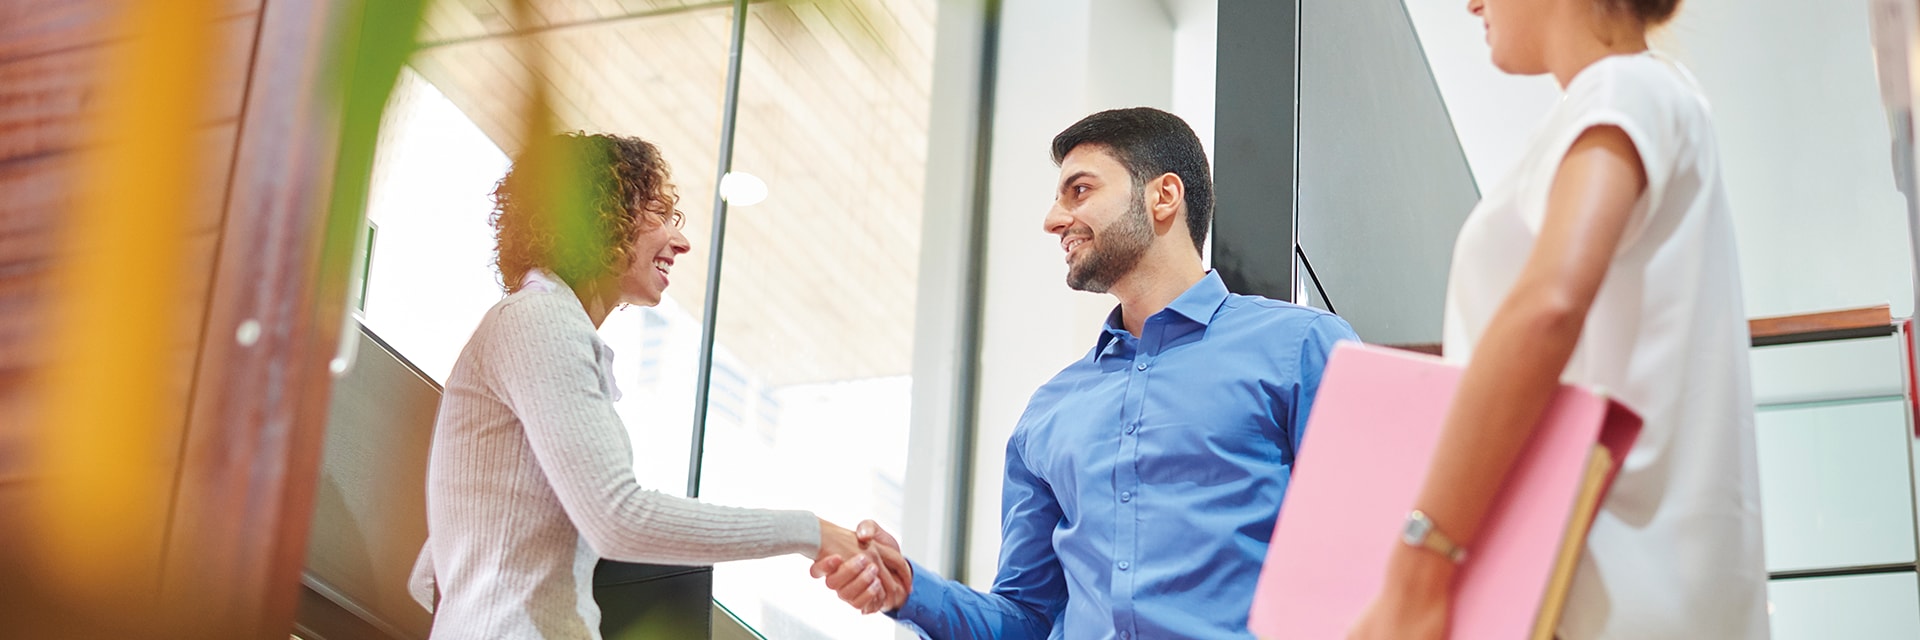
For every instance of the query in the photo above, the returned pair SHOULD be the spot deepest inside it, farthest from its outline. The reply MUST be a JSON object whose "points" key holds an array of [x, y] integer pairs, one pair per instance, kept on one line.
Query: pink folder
{"points": [[1369, 442]]}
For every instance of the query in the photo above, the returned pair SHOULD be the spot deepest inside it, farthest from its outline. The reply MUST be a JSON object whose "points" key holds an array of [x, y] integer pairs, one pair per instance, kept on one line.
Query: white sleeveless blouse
{"points": [[1676, 550]]}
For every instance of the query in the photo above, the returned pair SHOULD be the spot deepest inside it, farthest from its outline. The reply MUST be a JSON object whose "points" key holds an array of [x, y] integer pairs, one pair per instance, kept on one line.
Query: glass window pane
{"points": [[1834, 485], [653, 70], [430, 269], [1826, 370], [811, 388], [1870, 606]]}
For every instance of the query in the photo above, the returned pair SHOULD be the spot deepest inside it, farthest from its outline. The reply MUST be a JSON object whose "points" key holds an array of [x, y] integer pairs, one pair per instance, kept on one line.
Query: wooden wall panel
{"points": [[50, 52], [45, 100], [33, 27], [31, 190], [44, 110], [250, 456], [36, 27]]}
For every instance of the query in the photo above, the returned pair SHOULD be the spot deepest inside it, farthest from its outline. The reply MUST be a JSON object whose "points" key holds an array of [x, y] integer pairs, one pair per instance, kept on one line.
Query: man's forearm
{"points": [[942, 609]]}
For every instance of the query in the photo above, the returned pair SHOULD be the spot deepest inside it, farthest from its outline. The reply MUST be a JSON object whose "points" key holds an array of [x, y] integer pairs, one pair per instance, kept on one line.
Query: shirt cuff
{"points": [[926, 598]]}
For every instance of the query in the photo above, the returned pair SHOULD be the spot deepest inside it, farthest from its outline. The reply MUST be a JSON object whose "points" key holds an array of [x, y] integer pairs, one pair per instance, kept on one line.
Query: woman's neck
{"points": [[597, 304], [597, 309], [1581, 43]]}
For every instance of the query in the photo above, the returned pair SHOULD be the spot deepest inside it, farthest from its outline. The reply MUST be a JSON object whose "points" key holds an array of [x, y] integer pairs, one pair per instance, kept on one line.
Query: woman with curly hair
{"points": [[531, 480]]}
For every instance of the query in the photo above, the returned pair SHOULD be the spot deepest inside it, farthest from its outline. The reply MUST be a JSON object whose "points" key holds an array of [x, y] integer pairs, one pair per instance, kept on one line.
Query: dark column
{"points": [[1256, 121]]}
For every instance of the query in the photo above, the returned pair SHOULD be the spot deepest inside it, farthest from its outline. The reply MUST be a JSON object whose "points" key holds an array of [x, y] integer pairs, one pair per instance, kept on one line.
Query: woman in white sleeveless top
{"points": [[1606, 258]]}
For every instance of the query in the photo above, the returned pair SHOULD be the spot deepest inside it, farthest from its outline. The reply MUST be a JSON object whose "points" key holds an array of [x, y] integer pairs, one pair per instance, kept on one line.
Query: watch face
{"points": [[1415, 531]]}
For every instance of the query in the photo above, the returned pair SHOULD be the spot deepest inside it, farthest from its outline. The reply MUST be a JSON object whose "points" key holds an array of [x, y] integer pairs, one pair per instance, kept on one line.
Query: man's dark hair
{"points": [[1149, 142]]}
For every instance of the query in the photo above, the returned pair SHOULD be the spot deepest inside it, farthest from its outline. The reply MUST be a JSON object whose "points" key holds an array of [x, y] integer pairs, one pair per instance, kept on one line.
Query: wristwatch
{"points": [[1420, 532]]}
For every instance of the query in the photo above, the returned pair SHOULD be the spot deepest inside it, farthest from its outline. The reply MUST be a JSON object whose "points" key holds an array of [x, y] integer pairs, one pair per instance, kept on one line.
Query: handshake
{"points": [[864, 566]]}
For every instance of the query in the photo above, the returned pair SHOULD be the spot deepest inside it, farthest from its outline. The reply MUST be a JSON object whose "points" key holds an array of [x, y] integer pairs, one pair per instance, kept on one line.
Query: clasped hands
{"points": [[863, 566]]}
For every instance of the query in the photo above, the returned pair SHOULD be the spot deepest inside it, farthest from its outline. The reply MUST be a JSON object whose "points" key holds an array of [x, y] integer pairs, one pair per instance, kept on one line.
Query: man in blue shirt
{"points": [[1143, 480]]}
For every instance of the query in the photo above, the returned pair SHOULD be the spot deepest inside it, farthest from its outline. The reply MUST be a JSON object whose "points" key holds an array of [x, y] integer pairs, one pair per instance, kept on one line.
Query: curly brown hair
{"points": [[574, 203]]}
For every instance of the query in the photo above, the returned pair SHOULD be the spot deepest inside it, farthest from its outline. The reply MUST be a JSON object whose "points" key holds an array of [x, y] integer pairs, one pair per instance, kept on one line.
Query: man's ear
{"points": [[1165, 195]]}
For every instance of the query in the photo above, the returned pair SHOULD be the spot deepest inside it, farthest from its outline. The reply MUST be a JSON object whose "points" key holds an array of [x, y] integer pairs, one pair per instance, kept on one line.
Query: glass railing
{"points": [[1836, 460]]}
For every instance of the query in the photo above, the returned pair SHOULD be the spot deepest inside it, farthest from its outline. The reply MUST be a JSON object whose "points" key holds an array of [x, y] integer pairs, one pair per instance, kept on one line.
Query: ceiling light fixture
{"points": [[742, 189]]}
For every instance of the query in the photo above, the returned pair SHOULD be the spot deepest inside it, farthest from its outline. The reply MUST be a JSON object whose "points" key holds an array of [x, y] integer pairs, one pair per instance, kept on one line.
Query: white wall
{"points": [[926, 519], [1806, 149], [1492, 112], [1196, 38], [1801, 132]]}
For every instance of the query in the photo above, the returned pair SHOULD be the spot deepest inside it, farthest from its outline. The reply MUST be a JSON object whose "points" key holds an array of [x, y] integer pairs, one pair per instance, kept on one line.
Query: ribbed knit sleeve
{"points": [[540, 356]]}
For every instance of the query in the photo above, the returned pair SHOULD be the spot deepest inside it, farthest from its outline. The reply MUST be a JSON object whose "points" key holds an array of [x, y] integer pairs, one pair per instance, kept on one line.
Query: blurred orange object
{"points": [[100, 482]]}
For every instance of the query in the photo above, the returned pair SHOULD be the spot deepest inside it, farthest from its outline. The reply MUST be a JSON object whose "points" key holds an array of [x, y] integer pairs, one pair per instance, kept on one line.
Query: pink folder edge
{"points": [[1368, 445]]}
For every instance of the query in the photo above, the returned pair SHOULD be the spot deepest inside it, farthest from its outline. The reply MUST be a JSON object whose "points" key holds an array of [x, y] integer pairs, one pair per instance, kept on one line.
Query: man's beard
{"points": [[1115, 253]]}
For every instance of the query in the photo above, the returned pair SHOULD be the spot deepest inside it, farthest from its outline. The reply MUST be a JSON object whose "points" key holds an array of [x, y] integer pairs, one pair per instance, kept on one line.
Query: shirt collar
{"points": [[1201, 300], [544, 281], [1197, 305]]}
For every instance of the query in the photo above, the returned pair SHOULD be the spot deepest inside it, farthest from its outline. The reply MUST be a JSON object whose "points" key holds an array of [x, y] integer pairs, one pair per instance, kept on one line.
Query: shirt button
{"points": [[1142, 366], [1124, 565], [1125, 636], [1126, 496]]}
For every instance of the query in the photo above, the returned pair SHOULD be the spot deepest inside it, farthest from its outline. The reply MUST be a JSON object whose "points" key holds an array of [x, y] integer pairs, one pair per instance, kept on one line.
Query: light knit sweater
{"points": [[531, 482]]}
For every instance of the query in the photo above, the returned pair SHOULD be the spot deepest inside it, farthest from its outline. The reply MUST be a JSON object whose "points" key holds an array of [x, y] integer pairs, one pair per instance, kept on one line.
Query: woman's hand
{"points": [[893, 561], [871, 577], [1413, 604], [1401, 618]]}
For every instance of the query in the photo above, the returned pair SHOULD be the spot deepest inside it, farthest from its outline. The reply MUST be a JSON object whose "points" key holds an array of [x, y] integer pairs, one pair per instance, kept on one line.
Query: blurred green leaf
{"points": [[371, 43]]}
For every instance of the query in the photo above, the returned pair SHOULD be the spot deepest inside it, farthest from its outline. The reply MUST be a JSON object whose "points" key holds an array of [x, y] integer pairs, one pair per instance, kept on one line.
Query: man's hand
{"points": [[872, 576]]}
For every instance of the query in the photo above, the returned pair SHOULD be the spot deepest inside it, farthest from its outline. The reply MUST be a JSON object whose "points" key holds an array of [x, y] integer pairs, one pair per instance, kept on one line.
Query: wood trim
{"points": [[1839, 324], [238, 534], [1429, 348], [1874, 320]]}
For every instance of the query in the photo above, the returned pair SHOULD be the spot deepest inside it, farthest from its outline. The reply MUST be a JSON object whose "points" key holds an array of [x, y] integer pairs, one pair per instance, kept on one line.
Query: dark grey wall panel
{"points": [[1254, 147], [1384, 185], [370, 510]]}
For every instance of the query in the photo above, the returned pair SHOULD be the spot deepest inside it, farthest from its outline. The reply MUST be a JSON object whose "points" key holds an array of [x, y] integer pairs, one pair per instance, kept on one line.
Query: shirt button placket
{"points": [[1126, 542]]}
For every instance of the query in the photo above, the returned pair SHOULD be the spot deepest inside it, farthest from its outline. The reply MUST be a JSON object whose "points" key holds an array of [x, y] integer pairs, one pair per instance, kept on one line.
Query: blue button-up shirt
{"points": [[1143, 480]]}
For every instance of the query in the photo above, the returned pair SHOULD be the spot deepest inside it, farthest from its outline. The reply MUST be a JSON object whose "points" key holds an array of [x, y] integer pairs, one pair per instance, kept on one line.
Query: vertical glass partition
{"points": [[812, 371], [656, 71]]}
